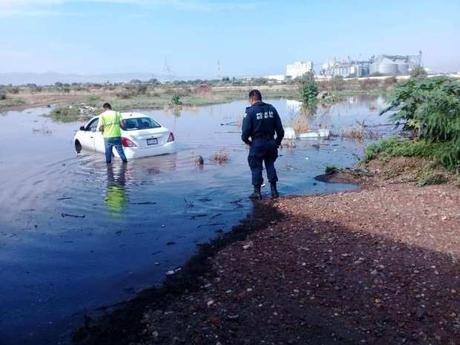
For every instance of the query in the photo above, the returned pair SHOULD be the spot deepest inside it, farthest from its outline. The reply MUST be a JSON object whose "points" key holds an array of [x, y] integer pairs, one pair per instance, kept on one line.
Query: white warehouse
{"points": [[299, 69]]}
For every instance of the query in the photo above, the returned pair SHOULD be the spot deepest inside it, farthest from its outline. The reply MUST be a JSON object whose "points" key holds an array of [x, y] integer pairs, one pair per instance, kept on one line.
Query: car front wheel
{"points": [[77, 146]]}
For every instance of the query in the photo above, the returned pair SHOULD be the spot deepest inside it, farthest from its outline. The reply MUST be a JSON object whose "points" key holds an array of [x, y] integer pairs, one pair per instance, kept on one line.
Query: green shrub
{"points": [[418, 72], [2, 95], [175, 100], [309, 91], [430, 108]]}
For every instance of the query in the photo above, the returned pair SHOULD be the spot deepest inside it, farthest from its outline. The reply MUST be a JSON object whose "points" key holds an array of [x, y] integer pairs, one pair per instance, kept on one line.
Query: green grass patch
{"points": [[445, 153], [66, 114]]}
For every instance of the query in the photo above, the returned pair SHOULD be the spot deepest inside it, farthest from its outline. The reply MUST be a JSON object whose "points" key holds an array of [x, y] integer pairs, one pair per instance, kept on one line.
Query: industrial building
{"points": [[376, 65], [394, 64], [299, 69], [345, 69]]}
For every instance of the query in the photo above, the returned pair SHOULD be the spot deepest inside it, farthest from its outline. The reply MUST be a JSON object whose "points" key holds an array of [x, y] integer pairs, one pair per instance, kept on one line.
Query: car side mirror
{"points": [[82, 128]]}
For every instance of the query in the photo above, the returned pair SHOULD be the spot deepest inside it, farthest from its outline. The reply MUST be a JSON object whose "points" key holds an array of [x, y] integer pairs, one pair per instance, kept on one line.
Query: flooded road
{"points": [[76, 235]]}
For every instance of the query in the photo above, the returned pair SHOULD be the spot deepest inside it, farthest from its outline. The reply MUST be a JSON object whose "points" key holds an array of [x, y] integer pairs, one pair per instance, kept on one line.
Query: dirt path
{"points": [[378, 266]]}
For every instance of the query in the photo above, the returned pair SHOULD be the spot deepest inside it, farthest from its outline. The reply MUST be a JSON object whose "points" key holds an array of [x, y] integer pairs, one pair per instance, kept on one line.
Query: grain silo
{"points": [[387, 67], [403, 68]]}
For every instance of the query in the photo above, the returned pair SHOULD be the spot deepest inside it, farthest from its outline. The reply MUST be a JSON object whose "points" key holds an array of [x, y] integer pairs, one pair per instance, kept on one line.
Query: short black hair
{"points": [[107, 106], [256, 94]]}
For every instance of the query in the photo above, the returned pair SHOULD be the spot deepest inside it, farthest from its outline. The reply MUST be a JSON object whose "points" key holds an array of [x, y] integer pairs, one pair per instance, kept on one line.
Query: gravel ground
{"points": [[378, 266]]}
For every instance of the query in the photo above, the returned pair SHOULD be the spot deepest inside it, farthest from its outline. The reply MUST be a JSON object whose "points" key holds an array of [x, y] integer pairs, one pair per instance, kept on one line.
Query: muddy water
{"points": [[75, 235]]}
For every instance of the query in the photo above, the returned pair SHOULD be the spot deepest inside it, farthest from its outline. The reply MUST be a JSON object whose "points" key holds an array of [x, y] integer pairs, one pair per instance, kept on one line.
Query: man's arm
{"points": [[101, 124], [278, 128], [247, 128]]}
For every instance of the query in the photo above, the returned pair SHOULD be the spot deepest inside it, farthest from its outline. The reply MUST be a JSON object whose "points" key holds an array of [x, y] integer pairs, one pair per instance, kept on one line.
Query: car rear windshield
{"points": [[137, 123]]}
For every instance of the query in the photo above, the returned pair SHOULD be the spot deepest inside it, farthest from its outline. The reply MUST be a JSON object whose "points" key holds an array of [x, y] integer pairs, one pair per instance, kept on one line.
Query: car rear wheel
{"points": [[77, 146]]}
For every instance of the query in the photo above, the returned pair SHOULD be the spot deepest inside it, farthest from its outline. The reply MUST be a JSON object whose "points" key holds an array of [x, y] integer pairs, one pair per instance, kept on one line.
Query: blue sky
{"points": [[249, 37]]}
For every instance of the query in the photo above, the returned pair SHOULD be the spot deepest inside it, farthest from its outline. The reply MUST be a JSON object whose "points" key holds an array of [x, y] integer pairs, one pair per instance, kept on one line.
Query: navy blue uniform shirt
{"points": [[262, 121]]}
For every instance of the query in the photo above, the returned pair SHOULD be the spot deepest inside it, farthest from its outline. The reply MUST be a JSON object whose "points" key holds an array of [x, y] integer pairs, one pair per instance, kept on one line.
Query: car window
{"points": [[137, 123], [92, 126]]}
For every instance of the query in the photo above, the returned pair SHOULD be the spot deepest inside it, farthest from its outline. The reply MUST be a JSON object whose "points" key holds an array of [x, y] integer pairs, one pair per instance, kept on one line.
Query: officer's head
{"points": [[107, 106], [255, 96]]}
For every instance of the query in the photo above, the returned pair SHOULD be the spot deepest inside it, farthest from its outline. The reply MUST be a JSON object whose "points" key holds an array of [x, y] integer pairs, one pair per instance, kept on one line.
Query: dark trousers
{"points": [[111, 143], [266, 151]]}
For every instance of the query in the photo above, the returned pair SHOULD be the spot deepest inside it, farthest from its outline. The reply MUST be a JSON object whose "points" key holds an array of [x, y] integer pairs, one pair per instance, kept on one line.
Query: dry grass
{"points": [[220, 157], [355, 133], [359, 133], [300, 124]]}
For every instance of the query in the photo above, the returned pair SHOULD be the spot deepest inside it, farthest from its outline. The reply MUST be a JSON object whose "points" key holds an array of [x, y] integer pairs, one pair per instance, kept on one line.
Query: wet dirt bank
{"points": [[376, 266], [121, 324]]}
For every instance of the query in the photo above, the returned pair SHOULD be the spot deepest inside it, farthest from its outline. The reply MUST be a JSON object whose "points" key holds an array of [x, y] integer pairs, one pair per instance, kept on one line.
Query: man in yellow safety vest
{"points": [[111, 130]]}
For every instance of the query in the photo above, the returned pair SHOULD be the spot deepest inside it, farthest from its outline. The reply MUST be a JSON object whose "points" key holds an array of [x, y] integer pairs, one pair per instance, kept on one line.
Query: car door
{"points": [[99, 144], [89, 135]]}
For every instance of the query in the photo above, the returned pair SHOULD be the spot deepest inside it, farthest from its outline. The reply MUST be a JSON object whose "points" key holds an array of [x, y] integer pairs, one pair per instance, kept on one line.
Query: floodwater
{"points": [[76, 235]]}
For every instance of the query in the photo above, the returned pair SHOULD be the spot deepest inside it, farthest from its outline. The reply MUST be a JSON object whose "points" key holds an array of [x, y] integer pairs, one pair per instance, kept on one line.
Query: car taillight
{"points": [[127, 143], [171, 137]]}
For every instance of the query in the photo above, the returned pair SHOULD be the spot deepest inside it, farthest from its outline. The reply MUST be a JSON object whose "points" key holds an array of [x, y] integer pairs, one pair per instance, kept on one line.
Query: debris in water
{"points": [[248, 245], [220, 157], [320, 133], [233, 123], [188, 204], [201, 215], [171, 272], [199, 161], [72, 215], [205, 199]]}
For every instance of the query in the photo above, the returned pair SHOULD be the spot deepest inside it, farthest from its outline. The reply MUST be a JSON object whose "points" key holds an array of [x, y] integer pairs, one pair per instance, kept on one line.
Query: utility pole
{"points": [[167, 69], [219, 70]]}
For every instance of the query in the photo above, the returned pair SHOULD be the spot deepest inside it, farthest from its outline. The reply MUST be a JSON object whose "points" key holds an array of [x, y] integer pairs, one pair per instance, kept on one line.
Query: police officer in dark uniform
{"points": [[260, 124]]}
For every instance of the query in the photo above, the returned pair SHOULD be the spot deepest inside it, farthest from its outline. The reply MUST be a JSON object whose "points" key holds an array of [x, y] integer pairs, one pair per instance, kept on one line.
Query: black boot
{"points": [[256, 195], [275, 193]]}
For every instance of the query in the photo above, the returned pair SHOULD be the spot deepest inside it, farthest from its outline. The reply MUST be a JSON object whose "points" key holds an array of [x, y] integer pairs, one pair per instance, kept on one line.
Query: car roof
{"points": [[128, 115], [132, 115]]}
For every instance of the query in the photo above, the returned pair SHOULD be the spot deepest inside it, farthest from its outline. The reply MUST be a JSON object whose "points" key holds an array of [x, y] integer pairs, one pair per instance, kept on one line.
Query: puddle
{"points": [[75, 235]]}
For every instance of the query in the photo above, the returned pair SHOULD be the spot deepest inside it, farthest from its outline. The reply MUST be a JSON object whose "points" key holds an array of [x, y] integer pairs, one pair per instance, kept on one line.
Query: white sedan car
{"points": [[141, 136]]}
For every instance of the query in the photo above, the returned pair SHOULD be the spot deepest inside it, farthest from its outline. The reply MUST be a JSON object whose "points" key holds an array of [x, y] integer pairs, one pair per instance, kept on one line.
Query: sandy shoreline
{"points": [[377, 266]]}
